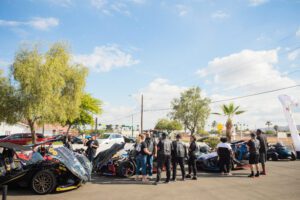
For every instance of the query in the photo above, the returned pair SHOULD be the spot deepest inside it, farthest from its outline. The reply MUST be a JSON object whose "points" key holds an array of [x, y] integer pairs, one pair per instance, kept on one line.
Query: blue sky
{"points": [[159, 48]]}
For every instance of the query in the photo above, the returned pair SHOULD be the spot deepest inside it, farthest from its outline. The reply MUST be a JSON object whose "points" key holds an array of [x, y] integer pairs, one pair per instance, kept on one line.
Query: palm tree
{"points": [[229, 111], [268, 123]]}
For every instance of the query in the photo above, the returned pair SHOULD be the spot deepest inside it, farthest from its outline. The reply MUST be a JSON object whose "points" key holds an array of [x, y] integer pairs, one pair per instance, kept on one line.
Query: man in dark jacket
{"points": [[193, 150], [164, 157], [178, 154], [262, 150]]}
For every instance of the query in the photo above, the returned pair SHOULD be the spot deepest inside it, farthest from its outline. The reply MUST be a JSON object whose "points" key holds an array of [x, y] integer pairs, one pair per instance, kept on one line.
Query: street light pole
{"points": [[142, 113]]}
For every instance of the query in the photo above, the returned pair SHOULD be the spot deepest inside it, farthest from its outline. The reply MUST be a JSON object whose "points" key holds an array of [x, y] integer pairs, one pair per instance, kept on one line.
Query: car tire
{"points": [[274, 157], [293, 156], [43, 182], [126, 169]]}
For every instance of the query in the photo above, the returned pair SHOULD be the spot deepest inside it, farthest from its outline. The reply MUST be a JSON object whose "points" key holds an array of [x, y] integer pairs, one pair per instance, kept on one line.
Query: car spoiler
{"points": [[16, 147], [56, 139]]}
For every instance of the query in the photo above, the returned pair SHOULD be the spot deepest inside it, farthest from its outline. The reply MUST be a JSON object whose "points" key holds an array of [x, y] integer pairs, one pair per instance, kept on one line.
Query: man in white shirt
{"points": [[224, 151]]}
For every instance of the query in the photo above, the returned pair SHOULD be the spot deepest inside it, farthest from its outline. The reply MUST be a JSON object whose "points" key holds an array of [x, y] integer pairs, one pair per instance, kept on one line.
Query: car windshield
{"points": [[104, 136]]}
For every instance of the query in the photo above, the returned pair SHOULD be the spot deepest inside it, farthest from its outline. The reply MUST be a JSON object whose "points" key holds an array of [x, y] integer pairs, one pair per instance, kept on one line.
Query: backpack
{"points": [[165, 147], [179, 149]]}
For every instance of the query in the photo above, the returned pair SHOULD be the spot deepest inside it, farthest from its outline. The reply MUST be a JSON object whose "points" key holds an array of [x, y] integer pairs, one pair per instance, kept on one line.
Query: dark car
{"points": [[76, 140], [3, 136], [115, 162], [280, 151], [210, 161], [23, 138], [46, 170]]}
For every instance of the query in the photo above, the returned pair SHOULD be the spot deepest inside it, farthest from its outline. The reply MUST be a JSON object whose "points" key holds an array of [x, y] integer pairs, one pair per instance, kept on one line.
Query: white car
{"points": [[108, 139]]}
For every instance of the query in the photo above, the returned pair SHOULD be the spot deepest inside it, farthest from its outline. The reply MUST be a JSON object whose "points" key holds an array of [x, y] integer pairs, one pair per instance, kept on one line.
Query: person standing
{"points": [[92, 146], [141, 157], [263, 147], [253, 148], [192, 152], [152, 147], [224, 151], [164, 147], [178, 154]]}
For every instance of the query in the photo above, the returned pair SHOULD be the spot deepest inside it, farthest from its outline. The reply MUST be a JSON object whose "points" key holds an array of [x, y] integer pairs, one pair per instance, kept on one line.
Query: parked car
{"points": [[2, 136], [108, 139], [23, 138], [210, 161], [46, 170], [280, 151]]}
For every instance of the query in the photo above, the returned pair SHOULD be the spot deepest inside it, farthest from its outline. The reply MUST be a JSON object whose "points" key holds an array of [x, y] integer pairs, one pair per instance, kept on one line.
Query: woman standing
{"points": [[141, 157], [193, 150]]}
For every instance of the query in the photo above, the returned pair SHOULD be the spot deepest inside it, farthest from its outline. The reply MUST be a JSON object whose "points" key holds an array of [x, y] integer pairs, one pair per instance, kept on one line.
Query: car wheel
{"points": [[274, 157], [126, 169], [293, 156], [43, 182]]}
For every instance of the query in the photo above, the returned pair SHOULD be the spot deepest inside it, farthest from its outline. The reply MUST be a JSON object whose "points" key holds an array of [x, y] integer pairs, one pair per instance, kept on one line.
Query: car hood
{"points": [[73, 162], [207, 156]]}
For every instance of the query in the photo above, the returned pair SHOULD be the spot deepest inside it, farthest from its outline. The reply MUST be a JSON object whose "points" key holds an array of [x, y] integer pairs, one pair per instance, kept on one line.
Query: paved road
{"points": [[282, 183]]}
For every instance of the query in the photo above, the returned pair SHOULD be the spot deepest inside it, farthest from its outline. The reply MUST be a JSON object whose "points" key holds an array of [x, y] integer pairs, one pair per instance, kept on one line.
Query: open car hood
{"points": [[104, 156], [72, 163], [16, 147]]}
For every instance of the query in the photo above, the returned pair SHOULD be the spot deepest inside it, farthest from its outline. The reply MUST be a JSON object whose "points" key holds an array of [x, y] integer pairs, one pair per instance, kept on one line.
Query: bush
{"points": [[270, 132], [212, 142]]}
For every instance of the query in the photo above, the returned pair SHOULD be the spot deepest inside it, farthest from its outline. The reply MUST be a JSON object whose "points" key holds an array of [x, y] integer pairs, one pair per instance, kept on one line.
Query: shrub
{"points": [[212, 142], [270, 132]]}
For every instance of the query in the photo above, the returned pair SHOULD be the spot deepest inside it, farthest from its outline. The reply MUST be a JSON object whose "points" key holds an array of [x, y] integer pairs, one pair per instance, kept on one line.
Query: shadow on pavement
{"points": [[117, 181]]}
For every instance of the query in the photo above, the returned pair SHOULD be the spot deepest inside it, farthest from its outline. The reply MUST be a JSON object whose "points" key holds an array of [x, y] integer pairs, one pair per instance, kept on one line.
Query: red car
{"points": [[23, 138]]}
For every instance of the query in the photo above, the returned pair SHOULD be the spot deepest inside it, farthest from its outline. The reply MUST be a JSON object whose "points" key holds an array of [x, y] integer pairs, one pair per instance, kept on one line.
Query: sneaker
{"points": [[167, 182], [188, 176], [174, 179], [262, 173], [194, 178], [257, 174], [251, 175], [229, 174], [183, 179], [150, 177]]}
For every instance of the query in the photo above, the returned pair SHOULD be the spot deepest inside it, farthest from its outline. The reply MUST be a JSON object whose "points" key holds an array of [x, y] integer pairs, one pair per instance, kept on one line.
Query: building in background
{"points": [[6, 129]]}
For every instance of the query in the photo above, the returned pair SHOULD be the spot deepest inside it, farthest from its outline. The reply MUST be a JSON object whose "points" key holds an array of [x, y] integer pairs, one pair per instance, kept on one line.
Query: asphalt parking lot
{"points": [[282, 182]]}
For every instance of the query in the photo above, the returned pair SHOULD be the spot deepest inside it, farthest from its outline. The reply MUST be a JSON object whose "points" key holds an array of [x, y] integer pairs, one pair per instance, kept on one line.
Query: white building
{"points": [[6, 129]]}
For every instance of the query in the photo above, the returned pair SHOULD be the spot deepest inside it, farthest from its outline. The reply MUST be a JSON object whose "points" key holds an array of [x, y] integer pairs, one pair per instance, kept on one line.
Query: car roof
{"points": [[14, 146]]}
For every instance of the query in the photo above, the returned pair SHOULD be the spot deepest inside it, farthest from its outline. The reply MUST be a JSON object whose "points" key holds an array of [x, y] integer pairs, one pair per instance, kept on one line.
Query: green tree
{"points": [[191, 109], [89, 106], [168, 125], [229, 111], [268, 124], [49, 85]]}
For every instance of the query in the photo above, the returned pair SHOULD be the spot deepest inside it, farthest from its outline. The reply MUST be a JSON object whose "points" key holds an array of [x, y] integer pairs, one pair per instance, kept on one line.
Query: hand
{"points": [[155, 155]]}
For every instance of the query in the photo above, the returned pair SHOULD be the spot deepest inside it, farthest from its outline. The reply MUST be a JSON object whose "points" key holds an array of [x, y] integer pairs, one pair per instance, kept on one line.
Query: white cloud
{"points": [[38, 23], [294, 55], [257, 2], [182, 10], [298, 33], [106, 58], [220, 14], [249, 72], [117, 6]]}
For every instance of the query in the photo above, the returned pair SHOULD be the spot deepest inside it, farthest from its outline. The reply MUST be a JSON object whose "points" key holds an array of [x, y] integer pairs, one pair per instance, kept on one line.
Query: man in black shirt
{"points": [[152, 147], [164, 157], [92, 146], [193, 149], [253, 148], [262, 150], [178, 154]]}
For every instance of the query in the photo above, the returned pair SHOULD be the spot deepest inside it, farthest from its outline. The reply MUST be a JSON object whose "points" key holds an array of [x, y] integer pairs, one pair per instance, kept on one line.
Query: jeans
{"points": [[141, 164], [192, 165], [149, 161], [163, 160]]}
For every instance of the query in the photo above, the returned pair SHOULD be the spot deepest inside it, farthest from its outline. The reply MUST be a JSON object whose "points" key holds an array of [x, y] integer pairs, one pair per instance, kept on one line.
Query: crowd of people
{"points": [[173, 153]]}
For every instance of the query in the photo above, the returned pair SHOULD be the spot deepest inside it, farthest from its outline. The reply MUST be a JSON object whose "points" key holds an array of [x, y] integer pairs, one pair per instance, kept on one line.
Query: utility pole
{"points": [[96, 124], [142, 113], [132, 125]]}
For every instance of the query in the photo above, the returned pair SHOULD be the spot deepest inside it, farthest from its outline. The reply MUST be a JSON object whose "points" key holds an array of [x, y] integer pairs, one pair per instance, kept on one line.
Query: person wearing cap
{"points": [[192, 153], [224, 151], [164, 148], [262, 150], [253, 148], [178, 154]]}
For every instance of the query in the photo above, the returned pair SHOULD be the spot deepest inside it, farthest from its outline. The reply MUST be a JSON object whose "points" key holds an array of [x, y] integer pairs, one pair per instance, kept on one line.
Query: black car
{"points": [[46, 170], [280, 151], [210, 161]]}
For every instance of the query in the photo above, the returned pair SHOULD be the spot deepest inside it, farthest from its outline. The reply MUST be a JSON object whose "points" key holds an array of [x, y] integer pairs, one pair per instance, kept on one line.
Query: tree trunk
{"points": [[67, 133], [32, 130], [228, 129]]}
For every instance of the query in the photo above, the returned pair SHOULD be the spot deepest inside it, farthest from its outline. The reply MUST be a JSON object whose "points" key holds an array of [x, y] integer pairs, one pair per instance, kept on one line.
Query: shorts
{"points": [[253, 158], [262, 158]]}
